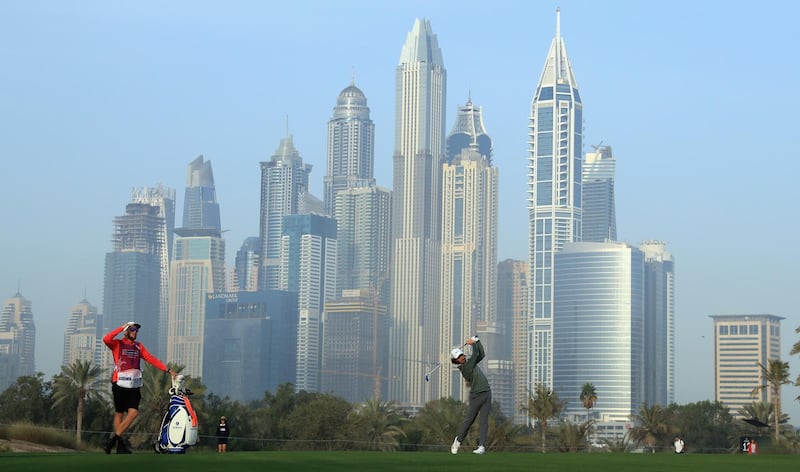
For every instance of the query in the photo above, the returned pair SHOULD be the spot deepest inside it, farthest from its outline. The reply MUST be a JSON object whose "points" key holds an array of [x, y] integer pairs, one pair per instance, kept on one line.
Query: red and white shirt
{"points": [[127, 359]]}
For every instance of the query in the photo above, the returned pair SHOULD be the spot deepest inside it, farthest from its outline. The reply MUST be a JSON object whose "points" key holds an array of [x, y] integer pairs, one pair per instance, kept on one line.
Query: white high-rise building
{"points": [[17, 340], [351, 145], [284, 186], [415, 343], [468, 272], [308, 268], [83, 338], [741, 343], [555, 147]]}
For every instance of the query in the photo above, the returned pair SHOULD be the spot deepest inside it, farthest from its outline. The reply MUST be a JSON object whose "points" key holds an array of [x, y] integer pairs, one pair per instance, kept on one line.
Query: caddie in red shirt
{"points": [[126, 380]]}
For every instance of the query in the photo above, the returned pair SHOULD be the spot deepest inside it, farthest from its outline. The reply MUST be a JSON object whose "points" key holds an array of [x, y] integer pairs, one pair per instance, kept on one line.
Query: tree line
{"points": [[78, 400]]}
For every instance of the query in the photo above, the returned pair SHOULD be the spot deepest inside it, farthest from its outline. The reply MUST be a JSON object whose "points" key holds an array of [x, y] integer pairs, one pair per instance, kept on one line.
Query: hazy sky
{"points": [[698, 100]]}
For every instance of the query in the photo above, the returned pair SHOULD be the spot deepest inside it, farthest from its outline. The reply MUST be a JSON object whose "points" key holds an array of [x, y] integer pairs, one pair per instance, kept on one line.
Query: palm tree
{"points": [[651, 426], [796, 350], [588, 398], [379, 421], [542, 406], [775, 374], [78, 382]]}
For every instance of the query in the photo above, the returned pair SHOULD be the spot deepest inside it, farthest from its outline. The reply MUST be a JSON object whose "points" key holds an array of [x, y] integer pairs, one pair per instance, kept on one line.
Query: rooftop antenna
{"points": [[352, 75]]}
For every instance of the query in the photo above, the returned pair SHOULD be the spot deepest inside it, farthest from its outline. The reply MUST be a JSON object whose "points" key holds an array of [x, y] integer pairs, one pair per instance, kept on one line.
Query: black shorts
{"points": [[222, 440], [125, 398]]}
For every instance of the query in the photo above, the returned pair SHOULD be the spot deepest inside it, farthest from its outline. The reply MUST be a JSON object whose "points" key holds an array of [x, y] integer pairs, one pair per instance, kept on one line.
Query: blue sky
{"points": [[697, 99]]}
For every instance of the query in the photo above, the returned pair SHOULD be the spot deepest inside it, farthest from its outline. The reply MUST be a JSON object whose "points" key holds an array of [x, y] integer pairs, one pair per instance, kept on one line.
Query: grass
{"points": [[395, 461]]}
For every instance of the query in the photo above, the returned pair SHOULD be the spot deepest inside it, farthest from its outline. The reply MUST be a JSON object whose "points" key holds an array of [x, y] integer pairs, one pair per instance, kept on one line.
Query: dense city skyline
{"points": [[87, 120]]}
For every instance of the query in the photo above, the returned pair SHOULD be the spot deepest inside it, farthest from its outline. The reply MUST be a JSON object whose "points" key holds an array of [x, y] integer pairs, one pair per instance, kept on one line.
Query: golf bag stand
{"points": [[178, 428]]}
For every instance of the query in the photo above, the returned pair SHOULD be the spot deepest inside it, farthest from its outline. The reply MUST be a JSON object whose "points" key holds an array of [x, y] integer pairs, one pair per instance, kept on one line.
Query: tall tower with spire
{"points": [[351, 145], [415, 343], [284, 186], [555, 143]]}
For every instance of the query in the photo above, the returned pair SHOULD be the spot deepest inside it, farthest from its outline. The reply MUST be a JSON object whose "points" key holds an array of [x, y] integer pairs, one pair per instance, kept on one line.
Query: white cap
{"points": [[455, 353]]}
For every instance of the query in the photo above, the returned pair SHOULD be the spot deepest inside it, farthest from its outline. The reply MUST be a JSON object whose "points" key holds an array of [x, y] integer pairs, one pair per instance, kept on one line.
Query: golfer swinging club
{"points": [[480, 395]]}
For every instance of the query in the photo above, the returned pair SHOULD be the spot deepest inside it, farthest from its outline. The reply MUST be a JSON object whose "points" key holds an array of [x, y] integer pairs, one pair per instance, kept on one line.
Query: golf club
{"points": [[428, 374], [438, 364]]}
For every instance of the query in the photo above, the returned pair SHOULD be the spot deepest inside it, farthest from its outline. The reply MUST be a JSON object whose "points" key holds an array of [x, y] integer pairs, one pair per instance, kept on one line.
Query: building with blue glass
{"points": [[132, 278], [197, 268], [598, 328], [555, 149], [599, 210], [249, 343]]}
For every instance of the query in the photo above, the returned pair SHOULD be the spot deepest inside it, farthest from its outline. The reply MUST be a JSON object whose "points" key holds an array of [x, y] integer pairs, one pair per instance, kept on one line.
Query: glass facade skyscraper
{"points": [[164, 199], [555, 145], [132, 280], [200, 207], [198, 268], [598, 328], [599, 213], [659, 324], [249, 343], [418, 154]]}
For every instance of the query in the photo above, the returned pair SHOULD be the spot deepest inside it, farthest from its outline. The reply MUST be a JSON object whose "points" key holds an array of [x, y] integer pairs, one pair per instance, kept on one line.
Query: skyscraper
{"points": [[200, 207], [83, 338], [164, 199], [554, 195], [351, 145], [132, 279], [308, 268], [599, 214], [354, 338], [741, 343], [362, 215], [17, 340], [284, 185], [245, 271], [659, 324], [512, 309], [468, 271], [418, 154], [198, 268], [250, 343], [468, 132], [598, 328]]}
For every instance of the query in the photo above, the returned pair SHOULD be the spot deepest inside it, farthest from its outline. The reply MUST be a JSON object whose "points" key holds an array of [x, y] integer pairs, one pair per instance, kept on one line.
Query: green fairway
{"points": [[394, 461]]}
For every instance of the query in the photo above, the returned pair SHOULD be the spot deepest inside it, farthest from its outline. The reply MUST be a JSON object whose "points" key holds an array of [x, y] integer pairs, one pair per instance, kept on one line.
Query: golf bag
{"points": [[178, 428]]}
